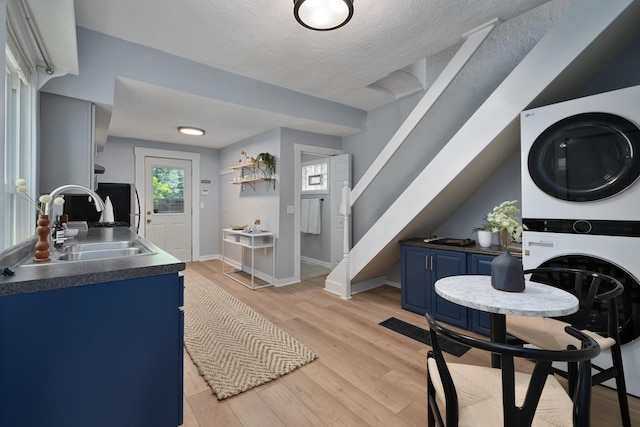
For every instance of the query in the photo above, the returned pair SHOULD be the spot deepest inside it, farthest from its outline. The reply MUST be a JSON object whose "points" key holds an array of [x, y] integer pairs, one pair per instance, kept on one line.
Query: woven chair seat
{"points": [[544, 332], [480, 396]]}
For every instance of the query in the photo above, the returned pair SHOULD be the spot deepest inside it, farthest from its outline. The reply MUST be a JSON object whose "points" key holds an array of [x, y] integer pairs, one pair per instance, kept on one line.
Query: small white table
{"points": [[252, 241], [536, 300]]}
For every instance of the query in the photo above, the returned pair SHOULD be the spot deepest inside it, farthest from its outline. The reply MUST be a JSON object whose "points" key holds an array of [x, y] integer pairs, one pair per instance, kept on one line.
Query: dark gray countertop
{"points": [[473, 249], [30, 277]]}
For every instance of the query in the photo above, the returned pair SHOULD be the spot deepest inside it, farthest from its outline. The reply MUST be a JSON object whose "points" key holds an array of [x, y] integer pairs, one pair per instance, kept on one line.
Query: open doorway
{"points": [[319, 232], [315, 216]]}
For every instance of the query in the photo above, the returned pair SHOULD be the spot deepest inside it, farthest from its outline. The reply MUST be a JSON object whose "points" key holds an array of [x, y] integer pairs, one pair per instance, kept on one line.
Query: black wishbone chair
{"points": [[469, 395], [597, 316]]}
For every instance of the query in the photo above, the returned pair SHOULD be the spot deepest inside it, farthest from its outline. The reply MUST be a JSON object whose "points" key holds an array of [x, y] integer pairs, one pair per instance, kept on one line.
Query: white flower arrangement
{"points": [[21, 188], [504, 217]]}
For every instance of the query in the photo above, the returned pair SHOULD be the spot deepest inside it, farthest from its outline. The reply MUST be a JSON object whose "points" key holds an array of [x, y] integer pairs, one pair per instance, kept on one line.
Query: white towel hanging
{"points": [[304, 215], [315, 219]]}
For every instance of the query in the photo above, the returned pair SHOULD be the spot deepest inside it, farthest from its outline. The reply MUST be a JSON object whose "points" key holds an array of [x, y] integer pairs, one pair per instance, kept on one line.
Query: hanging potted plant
{"points": [[267, 163]]}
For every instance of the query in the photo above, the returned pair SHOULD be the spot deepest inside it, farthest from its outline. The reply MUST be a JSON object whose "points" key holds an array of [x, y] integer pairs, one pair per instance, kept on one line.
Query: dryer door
{"points": [[586, 157]]}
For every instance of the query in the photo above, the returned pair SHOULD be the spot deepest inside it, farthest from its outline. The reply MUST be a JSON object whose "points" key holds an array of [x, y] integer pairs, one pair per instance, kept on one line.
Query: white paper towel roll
{"points": [[107, 214]]}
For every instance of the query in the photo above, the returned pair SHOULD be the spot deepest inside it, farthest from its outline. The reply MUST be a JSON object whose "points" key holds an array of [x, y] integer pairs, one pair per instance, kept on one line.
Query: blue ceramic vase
{"points": [[507, 273]]}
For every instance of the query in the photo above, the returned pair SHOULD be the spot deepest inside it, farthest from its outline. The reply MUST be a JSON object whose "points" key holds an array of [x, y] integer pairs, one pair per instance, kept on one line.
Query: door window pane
{"points": [[168, 190]]}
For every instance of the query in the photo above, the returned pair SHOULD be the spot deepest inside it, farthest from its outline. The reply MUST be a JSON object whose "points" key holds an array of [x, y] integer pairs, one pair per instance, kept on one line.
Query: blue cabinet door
{"points": [[480, 320], [107, 354], [448, 263], [416, 290]]}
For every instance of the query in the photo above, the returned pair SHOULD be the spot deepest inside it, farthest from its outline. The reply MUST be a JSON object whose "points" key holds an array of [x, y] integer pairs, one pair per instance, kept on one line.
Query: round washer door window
{"points": [[586, 157]]}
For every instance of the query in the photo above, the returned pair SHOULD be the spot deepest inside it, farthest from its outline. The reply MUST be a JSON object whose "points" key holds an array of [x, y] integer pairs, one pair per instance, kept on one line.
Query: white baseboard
{"points": [[367, 285], [315, 261], [333, 288], [285, 282], [394, 284]]}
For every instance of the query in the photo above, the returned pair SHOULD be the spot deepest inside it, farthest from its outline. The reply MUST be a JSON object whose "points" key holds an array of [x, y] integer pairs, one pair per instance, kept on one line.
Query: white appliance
{"points": [[581, 159], [613, 255]]}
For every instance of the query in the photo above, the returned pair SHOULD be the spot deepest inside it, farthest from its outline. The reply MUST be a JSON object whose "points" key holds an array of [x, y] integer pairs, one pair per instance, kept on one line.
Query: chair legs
{"points": [[617, 372], [616, 355]]}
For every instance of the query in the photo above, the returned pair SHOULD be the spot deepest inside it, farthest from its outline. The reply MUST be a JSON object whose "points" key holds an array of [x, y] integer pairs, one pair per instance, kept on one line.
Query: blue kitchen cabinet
{"points": [[105, 354], [445, 264], [480, 320], [416, 293], [421, 267]]}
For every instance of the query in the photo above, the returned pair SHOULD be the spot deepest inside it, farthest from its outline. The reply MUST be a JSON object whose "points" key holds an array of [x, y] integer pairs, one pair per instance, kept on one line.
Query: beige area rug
{"points": [[234, 347]]}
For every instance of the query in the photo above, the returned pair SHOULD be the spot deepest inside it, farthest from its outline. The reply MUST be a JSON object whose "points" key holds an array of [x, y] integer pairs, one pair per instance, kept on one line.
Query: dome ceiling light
{"points": [[323, 15], [186, 130]]}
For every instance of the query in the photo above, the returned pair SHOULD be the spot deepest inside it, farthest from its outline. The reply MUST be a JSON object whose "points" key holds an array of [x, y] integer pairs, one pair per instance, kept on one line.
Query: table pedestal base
{"points": [[498, 334]]}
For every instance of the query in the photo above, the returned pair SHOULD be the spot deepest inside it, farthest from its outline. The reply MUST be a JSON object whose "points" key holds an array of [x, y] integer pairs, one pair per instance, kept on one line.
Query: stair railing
{"points": [[473, 40]]}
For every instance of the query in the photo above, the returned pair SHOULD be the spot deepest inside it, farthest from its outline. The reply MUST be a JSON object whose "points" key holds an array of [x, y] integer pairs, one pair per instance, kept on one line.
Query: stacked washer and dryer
{"points": [[581, 199]]}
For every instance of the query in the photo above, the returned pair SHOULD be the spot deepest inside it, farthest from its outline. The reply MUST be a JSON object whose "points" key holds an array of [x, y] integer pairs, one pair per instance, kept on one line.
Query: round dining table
{"points": [[476, 292]]}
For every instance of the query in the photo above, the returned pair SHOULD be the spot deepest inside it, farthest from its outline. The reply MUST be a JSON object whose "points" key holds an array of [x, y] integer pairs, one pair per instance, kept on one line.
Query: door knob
{"points": [[148, 220]]}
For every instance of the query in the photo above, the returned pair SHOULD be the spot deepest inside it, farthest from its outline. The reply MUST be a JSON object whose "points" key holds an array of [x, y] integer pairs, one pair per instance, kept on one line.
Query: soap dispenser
{"points": [[58, 233]]}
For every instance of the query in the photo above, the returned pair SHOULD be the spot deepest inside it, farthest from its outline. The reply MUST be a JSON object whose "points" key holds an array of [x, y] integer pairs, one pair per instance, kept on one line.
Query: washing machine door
{"points": [[586, 157]]}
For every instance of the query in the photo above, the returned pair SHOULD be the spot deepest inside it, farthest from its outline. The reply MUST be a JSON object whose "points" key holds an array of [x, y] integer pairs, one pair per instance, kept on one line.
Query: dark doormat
{"points": [[422, 335]]}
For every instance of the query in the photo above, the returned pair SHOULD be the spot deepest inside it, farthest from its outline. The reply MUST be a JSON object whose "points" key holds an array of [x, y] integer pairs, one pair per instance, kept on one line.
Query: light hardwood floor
{"points": [[365, 375]]}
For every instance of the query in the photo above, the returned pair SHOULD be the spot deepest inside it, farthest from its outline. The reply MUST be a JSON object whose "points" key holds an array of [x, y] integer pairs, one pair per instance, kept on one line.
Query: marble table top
{"points": [[536, 300]]}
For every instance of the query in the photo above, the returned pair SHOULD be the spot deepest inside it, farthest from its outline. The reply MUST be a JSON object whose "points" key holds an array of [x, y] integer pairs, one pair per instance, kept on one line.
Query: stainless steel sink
{"points": [[100, 246], [95, 251], [103, 254], [103, 250]]}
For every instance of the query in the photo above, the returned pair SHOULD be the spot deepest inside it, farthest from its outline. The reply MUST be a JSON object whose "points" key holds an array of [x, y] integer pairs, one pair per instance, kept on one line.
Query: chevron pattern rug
{"points": [[234, 347]]}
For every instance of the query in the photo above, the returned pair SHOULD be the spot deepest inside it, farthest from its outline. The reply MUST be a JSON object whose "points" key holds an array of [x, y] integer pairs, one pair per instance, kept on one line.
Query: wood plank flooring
{"points": [[365, 374]]}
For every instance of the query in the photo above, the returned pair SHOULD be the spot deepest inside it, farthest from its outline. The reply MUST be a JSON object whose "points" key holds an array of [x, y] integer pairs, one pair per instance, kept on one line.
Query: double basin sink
{"points": [[102, 250]]}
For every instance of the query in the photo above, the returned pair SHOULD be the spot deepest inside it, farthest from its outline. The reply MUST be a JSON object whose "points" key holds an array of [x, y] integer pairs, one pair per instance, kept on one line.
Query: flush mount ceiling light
{"points": [[186, 130], [323, 15]]}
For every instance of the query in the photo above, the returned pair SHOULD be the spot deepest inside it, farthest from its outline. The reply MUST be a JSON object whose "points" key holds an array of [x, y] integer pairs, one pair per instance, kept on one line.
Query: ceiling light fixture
{"points": [[186, 130], [323, 15]]}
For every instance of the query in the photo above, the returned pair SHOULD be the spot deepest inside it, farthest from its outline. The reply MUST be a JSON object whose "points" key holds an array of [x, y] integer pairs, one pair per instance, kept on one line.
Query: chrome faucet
{"points": [[96, 199], [55, 193]]}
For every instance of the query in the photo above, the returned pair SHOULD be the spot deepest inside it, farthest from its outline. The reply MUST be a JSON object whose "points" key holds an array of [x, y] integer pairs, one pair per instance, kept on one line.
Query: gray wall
{"points": [[497, 56], [291, 137], [504, 184], [244, 207], [269, 205], [103, 58], [119, 162]]}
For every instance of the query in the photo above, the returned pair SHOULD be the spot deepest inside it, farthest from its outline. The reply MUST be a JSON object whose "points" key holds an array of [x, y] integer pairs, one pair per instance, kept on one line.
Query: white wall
{"points": [[3, 42]]}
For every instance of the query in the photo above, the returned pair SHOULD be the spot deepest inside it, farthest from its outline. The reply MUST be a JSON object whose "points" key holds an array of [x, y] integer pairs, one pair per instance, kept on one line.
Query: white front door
{"points": [[167, 210]]}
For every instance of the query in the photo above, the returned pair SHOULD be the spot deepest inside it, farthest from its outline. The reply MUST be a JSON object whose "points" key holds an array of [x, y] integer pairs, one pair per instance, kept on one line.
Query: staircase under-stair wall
{"points": [[563, 61]]}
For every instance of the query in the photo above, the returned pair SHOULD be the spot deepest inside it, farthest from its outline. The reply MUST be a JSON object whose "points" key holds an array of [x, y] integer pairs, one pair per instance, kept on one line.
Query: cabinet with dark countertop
{"points": [[422, 264], [95, 343]]}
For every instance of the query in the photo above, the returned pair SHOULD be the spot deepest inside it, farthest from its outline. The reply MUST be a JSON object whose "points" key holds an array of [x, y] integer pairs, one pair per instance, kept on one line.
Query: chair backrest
{"points": [[513, 415], [597, 293]]}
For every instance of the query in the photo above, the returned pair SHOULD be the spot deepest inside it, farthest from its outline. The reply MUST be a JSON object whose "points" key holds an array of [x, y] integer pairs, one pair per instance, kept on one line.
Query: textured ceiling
{"points": [[365, 64]]}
